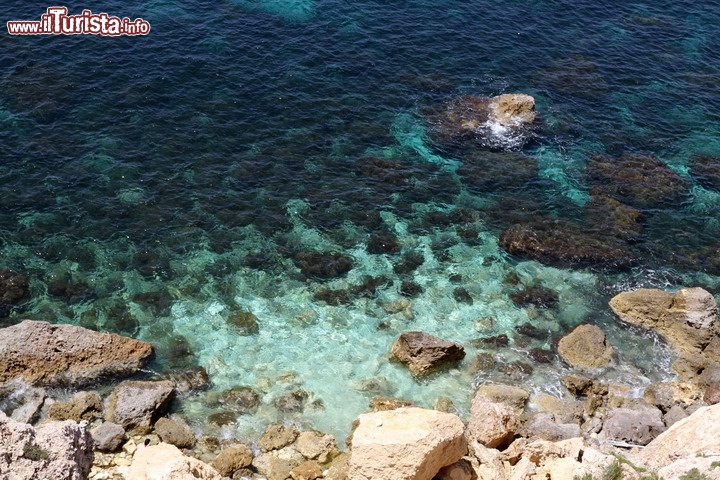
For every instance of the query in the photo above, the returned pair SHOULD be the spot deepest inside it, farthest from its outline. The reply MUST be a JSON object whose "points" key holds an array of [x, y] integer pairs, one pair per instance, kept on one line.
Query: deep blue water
{"points": [[174, 174]]}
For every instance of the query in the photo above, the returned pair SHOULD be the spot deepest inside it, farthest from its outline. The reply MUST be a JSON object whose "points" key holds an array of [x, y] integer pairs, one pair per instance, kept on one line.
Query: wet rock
{"points": [[190, 380], [223, 418], [277, 436], [174, 432], [292, 402], [423, 352], [561, 243], [21, 401], [529, 330], [516, 397], [482, 362], [686, 319], [83, 406], [497, 171], [638, 427], [501, 340], [516, 369], [232, 459], [606, 214], [471, 121], [108, 436], [382, 404], [136, 405], [242, 399], [323, 265], [462, 296], [540, 355], [411, 289], [62, 450], [586, 347], [166, 462], [541, 297], [583, 386], [383, 242], [48, 354], [705, 169], [13, 288], [640, 180], [491, 424], [408, 443], [244, 323]]}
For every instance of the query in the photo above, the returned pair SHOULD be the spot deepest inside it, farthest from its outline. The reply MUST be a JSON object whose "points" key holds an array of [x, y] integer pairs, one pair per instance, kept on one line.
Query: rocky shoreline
{"points": [[131, 432]]}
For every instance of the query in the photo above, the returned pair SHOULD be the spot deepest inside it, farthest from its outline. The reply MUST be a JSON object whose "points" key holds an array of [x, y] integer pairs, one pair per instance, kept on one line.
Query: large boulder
{"points": [[491, 424], [586, 347], [59, 355], [58, 450], [423, 352], [167, 462], [565, 244], [695, 436], [637, 179], [136, 405], [405, 444], [471, 121], [634, 426], [687, 319]]}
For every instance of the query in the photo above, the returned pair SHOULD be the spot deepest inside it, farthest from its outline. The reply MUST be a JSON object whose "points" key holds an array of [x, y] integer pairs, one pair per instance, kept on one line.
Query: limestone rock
{"points": [[491, 424], [277, 436], [174, 432], [59, 450], [277, 464], [316, 446], [167, 462], [586, 347], [423, 352], [83, 406], [58, 355], [232, 459], [686, 319], [460, 470], [637, 427], [516, 397], [21, 401], [693, 436], [306, 471], [405, 444], [543, 426], [137, 404], [108, 436], [704, 468], [513, 109]]}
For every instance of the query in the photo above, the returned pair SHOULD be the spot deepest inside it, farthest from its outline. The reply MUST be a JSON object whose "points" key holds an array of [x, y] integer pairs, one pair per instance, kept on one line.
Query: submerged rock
{"points": [[245, 323], [493, 171], [242, 399], [607, 214], [539, 296], [46, 354], [705, 169], [323, 265], [405, 444], [13, 288], [640, 180], [561, 243], [586, 347], [423, 352]]}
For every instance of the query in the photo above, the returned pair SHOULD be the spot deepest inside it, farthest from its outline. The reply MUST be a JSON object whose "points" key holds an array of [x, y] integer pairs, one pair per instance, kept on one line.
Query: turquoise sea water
{"points": [[154, 185]]}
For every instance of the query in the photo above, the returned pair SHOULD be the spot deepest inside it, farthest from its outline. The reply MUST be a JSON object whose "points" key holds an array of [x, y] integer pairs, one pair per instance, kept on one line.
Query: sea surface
{"points": [[162, 187]]}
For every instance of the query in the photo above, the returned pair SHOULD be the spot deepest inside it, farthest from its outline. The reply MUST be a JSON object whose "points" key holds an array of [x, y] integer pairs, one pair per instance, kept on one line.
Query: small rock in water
{"points": [[462, 296], [242, 399], [245, 323], [293, 401]]}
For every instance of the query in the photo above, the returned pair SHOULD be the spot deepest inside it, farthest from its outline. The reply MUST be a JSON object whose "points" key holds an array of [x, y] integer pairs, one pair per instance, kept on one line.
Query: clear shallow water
{"points": [[176, 176]]}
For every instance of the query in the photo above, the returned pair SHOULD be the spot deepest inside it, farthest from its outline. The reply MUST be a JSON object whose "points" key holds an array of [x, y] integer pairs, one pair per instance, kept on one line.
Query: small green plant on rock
{"points": [[694, 474], [35, 452]]}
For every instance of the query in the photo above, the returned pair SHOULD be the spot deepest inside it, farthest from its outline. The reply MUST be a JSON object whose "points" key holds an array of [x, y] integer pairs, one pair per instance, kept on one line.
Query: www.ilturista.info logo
{"points": [[57, 22]]}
